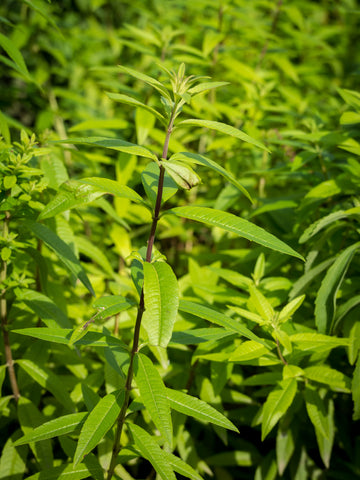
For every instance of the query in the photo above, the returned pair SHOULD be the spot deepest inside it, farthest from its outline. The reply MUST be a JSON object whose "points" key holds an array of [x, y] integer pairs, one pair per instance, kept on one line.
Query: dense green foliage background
{"points": [[292, 73]]}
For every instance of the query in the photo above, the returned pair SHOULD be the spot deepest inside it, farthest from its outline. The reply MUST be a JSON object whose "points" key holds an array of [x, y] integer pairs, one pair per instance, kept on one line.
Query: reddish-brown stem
{"points": [[141, 309], [4, 321]]}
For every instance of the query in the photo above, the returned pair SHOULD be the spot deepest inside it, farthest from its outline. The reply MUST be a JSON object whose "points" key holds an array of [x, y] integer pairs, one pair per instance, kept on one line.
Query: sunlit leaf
{"points": [[161, 295], [153, 395], [234, 224], [99, 421]]}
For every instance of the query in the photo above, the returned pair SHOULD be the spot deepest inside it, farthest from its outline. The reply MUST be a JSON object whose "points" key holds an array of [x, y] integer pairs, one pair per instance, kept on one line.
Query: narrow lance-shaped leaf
{"points": [[325, 302], [276, 405], [289, 309], [218, 318], [205, 86], [150, 450], [207, 162], [43, 306], [223, 128], [262, 305], [146, 79], [63, 335], [75, 194], [113, 144], [54, 428], [15, 54], [62, 250], [120, 97], [316, 410], [69, 472], [232, 223], [99, 421], [161, 295], [194, 407], [326, 444], [153, 395]]}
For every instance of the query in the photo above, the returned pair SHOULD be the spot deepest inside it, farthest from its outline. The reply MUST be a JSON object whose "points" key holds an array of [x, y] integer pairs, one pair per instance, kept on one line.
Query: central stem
{"points": [[141, 309]]}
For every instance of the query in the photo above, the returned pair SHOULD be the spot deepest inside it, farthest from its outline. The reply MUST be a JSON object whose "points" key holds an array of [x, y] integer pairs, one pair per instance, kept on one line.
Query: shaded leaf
{"points": [[48, 380], [325, 303], [43, 306], [62, 250]]}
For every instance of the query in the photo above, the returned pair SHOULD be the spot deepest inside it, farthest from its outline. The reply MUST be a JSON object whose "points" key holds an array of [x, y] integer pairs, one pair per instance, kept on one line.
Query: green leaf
{"points": [[277, 404], [63, 335], [146, 79], [112, 305], [301, 284], [43, 306], [12, 461], [317, 226], [15, 54], [62, 250], [98, 423], [75, 194], [113, 144], [120, 97], [285, 447], [69, 472], [182, 467], [48, 380], [194, 407], [207, 162], [153, 395], [316, 342], [161, 296], [262, 305], [150, 450], [114, 188], [54, 428], [234, 224], [326, 444], [223, 128], [288, 311], [200, 335], [218, 318], [248, 351], [183, 175], [205, 86], [325, 303], [316, 410], [336, 380]]}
